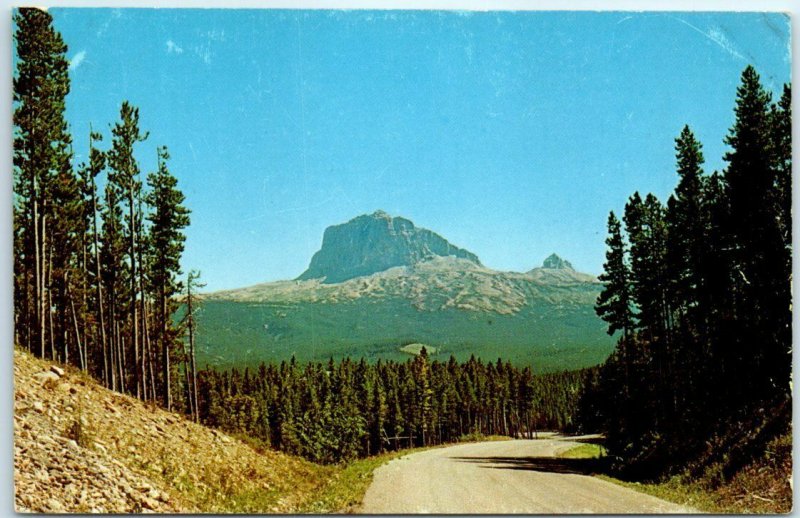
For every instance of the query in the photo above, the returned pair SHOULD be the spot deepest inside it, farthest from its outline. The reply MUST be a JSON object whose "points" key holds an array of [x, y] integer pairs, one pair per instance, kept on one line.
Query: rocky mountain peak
{"points": [[375, 242], [554, 262]]}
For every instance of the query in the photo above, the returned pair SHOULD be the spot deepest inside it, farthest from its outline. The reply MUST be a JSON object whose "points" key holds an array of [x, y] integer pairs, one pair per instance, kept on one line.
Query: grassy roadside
{"points": [[345, 488], [584, 451], [763, 487]]}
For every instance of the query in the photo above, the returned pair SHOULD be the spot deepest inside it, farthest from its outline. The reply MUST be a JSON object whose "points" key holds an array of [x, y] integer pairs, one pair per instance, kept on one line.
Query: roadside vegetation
{"points": [[584, 451], [762, 486], [697, 393]]}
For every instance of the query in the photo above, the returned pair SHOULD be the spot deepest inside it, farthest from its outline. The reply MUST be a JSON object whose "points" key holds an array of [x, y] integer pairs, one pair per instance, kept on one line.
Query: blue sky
{"points": [[510, 134]]}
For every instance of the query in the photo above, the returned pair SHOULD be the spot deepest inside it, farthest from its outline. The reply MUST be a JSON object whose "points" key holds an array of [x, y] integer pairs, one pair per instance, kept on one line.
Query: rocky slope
{"points": [[81, 448], [435, 284], [373, 243]]}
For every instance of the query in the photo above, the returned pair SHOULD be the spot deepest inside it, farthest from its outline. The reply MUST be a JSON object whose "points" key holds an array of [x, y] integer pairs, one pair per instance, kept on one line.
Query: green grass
{"points": [[345, 489], [688, 494], [761, 487], [549, 337], [584, 451]]}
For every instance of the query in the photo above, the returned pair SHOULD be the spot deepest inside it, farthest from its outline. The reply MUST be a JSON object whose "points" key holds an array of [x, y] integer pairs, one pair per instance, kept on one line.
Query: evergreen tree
{"points": [[686, 221], [41, 159], [781, 124], [125, 174], [614, 303], [761, 275], [113, 270], [168, 220]]}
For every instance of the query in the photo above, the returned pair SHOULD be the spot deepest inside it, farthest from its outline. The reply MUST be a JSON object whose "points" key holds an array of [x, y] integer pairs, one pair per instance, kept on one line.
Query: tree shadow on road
{"points": [[544, 464]]}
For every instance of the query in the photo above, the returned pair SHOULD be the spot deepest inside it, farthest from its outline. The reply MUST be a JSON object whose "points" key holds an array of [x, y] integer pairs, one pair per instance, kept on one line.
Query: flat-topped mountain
{"points": [[379, 283], [373, 243]]}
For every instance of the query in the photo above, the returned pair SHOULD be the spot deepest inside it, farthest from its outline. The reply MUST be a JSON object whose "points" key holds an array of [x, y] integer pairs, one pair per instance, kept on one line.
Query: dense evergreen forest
{"points": [[340, 411], [699, 292], [97, 251]]}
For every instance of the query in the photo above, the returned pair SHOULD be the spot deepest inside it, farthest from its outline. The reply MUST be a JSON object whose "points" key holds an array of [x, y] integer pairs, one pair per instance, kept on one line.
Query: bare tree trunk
{"points": [[134, 295], [190, 325], [187, 378], [49, 279], [123, 364], [143, 316], [112, 359], [120, 345], [165, 349], [84, 302], [100, 302], [81, 355], [149, 352], [194, 370], [39, 256], [26, 309]]}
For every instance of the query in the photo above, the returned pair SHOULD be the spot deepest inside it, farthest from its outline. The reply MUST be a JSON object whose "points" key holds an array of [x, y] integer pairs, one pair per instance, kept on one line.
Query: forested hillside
{"points": [[699, 291], [340, 411]]}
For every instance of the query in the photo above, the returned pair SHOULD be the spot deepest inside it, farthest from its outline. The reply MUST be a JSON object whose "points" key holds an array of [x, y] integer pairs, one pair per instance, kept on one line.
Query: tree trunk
{"points": [[99, 280], [39, 253], [81, 357], [134, 294], [49, 307], [165, 349], [143, 317], [190, 322]]}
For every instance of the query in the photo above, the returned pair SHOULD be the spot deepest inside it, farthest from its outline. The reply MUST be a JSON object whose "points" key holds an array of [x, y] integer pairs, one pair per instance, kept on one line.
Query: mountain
{"points": [[379, 283], [555, 270], [554, 262], [373, 243]]}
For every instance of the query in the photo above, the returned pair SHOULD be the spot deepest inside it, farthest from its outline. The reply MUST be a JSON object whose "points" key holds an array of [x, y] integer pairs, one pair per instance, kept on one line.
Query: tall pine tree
{"points": [[41, 159], [168, 221]]}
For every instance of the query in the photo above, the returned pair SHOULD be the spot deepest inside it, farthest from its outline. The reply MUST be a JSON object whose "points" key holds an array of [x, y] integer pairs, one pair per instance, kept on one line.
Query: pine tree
{"points": [[686, 222], [125, 174], [41, 155], [192, 284], [168, 219], [761, 275], [614, 303], [781, 124], [112, 271]]}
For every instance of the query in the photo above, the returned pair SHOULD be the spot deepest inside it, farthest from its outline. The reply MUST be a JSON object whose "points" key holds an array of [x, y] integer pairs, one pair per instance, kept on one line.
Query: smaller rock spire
{"points": [[554, 262]]}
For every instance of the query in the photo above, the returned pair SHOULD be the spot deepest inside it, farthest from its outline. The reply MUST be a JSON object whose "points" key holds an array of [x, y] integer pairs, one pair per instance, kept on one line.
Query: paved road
{"points": [[519, 476]]}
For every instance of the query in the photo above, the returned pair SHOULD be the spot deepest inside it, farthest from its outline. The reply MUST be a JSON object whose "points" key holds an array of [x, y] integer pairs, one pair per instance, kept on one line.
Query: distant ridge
{"points": [[373, 243]]}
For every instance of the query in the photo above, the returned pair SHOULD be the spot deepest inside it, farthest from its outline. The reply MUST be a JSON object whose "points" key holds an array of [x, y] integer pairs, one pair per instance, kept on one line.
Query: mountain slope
{"points": [[438, 295], [81, 448]]}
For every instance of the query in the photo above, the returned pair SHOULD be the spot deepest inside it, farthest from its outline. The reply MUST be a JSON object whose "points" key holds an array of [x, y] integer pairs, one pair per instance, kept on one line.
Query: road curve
{"points": [[519, 476]]}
